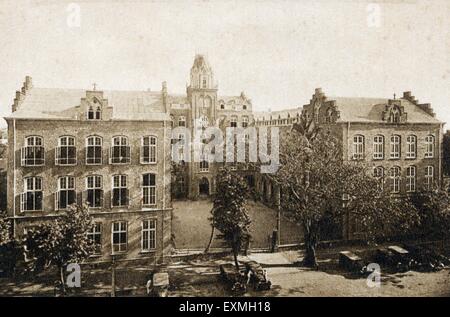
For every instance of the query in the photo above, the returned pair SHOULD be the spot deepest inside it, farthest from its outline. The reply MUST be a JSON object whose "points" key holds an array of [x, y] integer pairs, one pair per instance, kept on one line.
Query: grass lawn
{"points": [[192, 228]]}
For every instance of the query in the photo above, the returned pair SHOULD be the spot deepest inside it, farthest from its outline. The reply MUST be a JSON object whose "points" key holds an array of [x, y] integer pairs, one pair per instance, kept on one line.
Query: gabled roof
{"points": [[353, 109], [60, 103]]}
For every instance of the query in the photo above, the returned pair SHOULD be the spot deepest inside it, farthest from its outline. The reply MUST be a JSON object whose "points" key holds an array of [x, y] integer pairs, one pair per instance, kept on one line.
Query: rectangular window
{"points": [[395, 147], [31, 198], [33, 153], [148, 235], [429, 177], [66, 152], [411, 179], [66, 194], [120, 150], [95, 235], [119, 236], [93, 150], [378, 147], [358, 147], [149, 190], [411, 147], [120, 191], [148, 151], [94, 191]]}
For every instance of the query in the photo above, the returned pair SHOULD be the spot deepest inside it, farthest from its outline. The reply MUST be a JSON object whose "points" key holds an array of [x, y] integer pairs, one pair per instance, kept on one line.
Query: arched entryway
{"points": [[203, 187]]}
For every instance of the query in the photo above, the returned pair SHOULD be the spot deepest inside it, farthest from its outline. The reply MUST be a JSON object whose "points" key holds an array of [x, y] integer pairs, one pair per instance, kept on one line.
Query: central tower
{"points": [[202, 91]]}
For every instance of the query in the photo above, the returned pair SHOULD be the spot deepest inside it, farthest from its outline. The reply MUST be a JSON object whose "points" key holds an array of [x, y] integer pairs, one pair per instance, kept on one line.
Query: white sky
{"points": [[275, 51]]}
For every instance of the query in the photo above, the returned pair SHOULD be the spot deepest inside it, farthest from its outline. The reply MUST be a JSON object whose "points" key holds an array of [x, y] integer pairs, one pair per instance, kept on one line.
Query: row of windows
{"points": [[32, 196], [395, 147], [394, 176], [233, 121], [119, 236], [33, 153]]}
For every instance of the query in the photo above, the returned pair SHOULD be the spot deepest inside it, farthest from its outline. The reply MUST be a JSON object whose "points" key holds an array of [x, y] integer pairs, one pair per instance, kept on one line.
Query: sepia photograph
{"points": [[239, 150]]}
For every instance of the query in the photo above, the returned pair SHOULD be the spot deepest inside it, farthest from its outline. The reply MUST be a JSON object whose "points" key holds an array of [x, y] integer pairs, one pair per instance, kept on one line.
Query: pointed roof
{"points": [[200, 62]]}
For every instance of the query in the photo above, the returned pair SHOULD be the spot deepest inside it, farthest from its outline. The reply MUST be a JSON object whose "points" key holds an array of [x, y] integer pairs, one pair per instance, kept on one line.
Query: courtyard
{"points": [[192, 229]]}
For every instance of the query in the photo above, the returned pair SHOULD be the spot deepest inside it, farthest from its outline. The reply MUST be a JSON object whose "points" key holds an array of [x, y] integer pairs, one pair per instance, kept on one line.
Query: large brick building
{"points": [[109, 148], [400, 138], [112, 149]]}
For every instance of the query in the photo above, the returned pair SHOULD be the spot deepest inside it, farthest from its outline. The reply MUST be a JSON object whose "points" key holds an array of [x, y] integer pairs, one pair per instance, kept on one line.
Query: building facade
{"points": [[110, 149]]}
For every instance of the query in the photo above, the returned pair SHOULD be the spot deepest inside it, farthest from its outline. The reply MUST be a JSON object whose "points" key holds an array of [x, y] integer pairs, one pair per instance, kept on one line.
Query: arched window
{"points": [[395, 147], [429, 145], [33, 153], [411, 146], [66, 152], [93, 150], [32, 196], [120, 195], [90, 114], [98, 113], [233, 121], [378, 147], [394, 175], [148, 149], [149, 189], [378, 173], [204, 165], [94, 191], [120, 150], [411, 179], [66, 192], [244, 121], [222, 106], [358, 147], [204, 122]]}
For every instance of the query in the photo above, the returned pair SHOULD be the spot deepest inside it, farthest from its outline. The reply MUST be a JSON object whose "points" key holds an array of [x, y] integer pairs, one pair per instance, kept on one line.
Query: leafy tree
{"points": [[229, 215], [9, 247], [316, 182], [434, 211], [63, 241], [446, 153]]}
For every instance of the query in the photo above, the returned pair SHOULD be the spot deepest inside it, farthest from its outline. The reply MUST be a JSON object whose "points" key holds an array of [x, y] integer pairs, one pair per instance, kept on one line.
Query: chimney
{"points": [[164, 96]]}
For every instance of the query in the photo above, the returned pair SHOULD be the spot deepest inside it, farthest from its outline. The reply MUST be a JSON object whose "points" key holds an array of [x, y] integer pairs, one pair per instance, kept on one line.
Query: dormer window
{"points": [[222, 106], [204, 83], [244, 107]]}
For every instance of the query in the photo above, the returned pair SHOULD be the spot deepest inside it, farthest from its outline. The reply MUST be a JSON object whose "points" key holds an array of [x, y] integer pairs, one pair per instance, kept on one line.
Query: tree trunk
{"points": [[63, 284], [235, 255], [210, 238], [311, 241]]}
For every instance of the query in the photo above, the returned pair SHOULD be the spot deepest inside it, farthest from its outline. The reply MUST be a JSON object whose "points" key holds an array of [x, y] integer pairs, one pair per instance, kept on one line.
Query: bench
{"points": [[158, 286], [350, 261], [235, 280], [257, 276]]}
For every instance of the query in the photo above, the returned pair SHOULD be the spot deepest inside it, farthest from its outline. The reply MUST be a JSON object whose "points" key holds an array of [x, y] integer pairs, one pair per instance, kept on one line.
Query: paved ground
{"points": [[192, 228], [200, 278]]}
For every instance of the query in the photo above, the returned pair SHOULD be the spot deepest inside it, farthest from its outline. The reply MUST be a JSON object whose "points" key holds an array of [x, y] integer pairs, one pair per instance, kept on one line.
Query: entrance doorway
{"points": [[203, 187]]}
